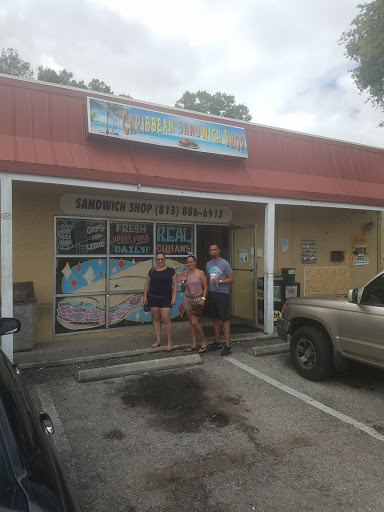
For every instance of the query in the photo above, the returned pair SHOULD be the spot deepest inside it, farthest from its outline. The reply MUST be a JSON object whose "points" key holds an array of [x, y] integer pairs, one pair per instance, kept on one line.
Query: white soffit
{"points": [[183, 193]]}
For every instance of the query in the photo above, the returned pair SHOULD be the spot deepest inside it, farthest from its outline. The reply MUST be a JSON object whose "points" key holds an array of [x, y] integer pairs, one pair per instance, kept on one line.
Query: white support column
{"points": [[269, 261], [6, 260]]}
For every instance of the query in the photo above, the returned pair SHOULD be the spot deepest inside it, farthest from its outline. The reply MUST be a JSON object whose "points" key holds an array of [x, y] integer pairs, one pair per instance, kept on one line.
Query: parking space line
{"points": [[307, 399]]}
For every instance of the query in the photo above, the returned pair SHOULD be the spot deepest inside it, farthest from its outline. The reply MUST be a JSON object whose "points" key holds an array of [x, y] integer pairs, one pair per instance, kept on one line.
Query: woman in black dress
{"points": [[160, 293]]}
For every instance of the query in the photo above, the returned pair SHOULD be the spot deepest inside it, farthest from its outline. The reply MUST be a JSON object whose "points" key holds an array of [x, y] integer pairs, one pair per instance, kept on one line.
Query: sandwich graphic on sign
{"points": [[87, 311]]}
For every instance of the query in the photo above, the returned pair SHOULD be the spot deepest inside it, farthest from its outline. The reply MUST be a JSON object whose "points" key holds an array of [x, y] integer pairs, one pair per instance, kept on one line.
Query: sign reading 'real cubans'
{"points": [[131, 238], [142, 125], [173, 239], [78, 236]]}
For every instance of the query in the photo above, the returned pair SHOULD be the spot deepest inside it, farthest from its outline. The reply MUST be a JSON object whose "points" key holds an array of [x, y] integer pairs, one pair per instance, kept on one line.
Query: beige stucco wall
{"points": [[333, 230], [35, 206]]}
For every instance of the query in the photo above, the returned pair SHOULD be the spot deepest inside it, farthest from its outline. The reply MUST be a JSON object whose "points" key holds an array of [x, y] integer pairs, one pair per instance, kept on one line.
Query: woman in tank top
{"points": [[160, 293], [195, 286]]}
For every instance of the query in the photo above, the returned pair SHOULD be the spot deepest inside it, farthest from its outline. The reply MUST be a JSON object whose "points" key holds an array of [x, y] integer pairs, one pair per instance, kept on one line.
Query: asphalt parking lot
{"points": [[238, 433]]}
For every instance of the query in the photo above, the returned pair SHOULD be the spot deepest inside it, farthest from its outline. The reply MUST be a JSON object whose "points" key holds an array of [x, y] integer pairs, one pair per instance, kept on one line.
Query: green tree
{"points": [[63, 77], [364, 44], [219, 104], [97, 85], [12, 64]]}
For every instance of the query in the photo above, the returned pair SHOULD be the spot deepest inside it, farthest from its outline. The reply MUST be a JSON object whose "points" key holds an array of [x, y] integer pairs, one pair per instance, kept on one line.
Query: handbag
{"points": [[197, 310], [146, 308]]}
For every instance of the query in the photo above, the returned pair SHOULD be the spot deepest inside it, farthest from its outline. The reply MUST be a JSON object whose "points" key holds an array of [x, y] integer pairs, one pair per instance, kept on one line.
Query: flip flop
{"points": [[155, 345], [169, 349], [190, 349], [203, 349]]}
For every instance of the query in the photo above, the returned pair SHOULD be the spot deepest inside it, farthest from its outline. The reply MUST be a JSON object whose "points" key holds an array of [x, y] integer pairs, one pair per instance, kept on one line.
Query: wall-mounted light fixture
{"points": [[370, 226]]}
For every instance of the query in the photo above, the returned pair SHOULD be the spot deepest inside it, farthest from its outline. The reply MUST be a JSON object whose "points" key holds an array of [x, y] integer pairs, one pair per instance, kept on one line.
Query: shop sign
{"points": [[81, 236], [131, 238], [128, 208], [174, 239], [127, 122]]}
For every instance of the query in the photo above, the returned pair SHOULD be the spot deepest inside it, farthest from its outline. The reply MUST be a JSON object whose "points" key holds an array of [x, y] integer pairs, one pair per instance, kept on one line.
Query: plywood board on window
{"points": [[320, 280]]}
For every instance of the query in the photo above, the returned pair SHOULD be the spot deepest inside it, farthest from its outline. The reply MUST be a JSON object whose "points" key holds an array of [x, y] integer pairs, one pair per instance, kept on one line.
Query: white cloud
{"points": [[282, 59]]}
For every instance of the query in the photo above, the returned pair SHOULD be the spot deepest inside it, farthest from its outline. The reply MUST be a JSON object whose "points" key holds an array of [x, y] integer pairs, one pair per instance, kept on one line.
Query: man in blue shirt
{"points": [[219, 275]]}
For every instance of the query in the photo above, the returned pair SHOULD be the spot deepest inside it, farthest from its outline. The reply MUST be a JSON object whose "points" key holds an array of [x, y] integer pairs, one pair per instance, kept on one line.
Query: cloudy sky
{"points": [[279, 57]]}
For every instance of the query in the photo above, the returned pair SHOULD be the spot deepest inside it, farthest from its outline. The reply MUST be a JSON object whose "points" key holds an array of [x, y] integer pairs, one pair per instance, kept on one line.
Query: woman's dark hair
{"points": [[158, 253], [191, 256]]}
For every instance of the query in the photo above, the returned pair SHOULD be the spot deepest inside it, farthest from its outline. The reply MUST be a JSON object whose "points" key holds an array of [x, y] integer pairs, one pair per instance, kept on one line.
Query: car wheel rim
{"points": [[306, 354]]}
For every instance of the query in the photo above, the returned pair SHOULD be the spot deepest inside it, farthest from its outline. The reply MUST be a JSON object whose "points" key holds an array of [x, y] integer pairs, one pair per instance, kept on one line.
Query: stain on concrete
{"points": [[182, 404], [177, 398], [379, 428], [234, 400], [114, 434]]}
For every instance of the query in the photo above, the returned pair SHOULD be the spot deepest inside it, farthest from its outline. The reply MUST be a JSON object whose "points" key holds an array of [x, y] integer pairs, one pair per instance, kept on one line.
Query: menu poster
{"points": [[81, 236], [131, 238], [308, 250]]}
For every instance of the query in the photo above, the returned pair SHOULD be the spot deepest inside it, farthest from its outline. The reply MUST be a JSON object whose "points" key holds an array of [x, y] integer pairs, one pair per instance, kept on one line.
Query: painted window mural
{"points": [[102, 266]]}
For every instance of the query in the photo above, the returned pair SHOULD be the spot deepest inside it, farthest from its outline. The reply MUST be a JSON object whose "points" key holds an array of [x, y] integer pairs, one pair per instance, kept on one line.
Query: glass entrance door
{"points": [[243, 244], [208, 235]]}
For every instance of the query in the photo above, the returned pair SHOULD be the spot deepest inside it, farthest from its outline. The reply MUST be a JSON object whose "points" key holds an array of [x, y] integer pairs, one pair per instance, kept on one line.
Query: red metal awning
{"points": [[43, 131]]}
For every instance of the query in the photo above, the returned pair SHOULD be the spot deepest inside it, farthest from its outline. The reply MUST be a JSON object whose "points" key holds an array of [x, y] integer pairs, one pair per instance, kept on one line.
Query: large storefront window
{"points": [[101, 268]]}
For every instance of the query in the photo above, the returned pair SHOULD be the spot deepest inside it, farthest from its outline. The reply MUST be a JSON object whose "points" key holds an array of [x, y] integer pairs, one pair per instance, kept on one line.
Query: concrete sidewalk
{"points": [[109, 347]]}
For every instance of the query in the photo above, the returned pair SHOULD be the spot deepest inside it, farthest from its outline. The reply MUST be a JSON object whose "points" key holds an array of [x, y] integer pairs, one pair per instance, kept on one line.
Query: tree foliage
{"points": [[12, 64], [97, 85], [364, 44], [219, 104], [63, 77]]}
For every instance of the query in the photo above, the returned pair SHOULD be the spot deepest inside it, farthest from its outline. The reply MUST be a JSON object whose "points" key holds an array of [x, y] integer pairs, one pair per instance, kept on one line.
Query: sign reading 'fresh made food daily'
{"points": [[142, 125]]}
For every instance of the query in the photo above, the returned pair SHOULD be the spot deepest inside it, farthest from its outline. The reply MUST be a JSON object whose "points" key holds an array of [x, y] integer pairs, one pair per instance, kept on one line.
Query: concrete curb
{"points": [[123, 370], [278, 348], [88, 359], [126, 353]]}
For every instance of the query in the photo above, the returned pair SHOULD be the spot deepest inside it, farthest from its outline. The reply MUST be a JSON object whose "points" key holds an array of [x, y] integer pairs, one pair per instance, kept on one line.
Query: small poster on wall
{"points": [[360, 249], [243, 255], [308, 250], [284, 244]]}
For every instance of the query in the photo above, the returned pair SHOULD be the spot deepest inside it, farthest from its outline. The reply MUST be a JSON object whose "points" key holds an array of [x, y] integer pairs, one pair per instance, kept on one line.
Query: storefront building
{"points": [[92, 186]]}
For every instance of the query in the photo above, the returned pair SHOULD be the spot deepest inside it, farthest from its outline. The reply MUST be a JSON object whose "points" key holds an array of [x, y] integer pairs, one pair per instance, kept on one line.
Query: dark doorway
{"points": [[208, 235]]}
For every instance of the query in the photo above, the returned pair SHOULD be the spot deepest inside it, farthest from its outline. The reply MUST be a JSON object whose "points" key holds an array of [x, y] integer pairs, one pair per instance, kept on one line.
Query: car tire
{"points": [[312, 353]]}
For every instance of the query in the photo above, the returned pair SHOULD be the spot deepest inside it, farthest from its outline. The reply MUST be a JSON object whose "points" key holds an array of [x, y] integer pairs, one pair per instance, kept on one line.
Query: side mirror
{"points": [[47, 423], [9, 326], [352, 296]]}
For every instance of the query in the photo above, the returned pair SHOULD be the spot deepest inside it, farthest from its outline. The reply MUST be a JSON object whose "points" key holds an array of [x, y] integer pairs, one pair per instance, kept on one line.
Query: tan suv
{"points": [[327, 330]]}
